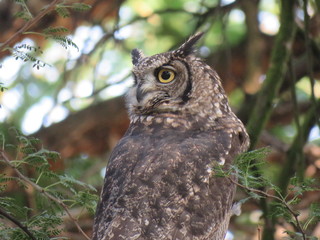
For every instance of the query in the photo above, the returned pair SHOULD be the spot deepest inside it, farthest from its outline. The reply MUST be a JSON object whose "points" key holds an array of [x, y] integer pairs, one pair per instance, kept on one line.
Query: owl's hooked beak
{"points": [[149, 99], [142, 92]]}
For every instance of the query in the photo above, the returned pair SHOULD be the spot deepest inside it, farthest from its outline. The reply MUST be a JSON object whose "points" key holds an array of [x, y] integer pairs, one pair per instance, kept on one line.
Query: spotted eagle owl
{"points": [[159, 181]]}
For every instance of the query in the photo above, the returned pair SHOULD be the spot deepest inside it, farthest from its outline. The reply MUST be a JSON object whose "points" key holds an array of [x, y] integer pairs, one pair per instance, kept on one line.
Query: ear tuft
{"points": [[188, 47], [136, 55]]}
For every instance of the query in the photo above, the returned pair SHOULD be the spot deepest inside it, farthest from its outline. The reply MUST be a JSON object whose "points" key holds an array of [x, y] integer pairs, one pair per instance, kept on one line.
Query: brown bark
{"points": [[254, 45], [101, 10]]}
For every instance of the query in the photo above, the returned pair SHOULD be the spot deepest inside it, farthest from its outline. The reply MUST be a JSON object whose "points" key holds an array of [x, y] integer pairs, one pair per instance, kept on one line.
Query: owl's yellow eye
{"points": [[166, 75]]}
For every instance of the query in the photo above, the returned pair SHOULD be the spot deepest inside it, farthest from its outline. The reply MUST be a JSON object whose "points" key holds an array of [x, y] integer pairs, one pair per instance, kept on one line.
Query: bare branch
{"points": [[276, 73]]}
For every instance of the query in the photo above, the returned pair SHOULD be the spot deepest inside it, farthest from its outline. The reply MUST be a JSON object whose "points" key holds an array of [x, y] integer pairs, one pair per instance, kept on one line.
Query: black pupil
{"points": [[166, 75]]}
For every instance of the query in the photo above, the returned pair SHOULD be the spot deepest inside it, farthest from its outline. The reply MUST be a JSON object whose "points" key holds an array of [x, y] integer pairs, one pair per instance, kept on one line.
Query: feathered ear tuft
{"points": [[136, 55], [187, 48]]}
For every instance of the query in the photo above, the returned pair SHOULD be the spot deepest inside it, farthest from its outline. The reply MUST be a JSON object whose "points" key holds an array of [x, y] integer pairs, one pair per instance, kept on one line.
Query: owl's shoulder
{"points": [[143, 142]]}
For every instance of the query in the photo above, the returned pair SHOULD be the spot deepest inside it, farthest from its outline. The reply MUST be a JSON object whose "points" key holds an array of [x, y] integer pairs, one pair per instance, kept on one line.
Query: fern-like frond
{"points": [[63, 41], [80, 7], [87, 200], [25, 14], [55, 30], [62, 11], [249, 167], [54, 194]]}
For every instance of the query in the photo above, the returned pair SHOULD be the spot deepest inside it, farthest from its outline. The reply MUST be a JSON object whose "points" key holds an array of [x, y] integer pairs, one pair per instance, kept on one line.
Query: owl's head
{"points": [[175, 83]]}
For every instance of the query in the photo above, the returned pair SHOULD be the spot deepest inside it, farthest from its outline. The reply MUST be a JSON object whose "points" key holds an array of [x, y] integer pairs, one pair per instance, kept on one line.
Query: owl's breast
{"points": [[164, 179]]}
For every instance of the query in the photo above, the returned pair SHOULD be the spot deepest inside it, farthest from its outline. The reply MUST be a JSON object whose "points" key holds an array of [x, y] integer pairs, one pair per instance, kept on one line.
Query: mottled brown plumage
{"points": [[159, 182]]}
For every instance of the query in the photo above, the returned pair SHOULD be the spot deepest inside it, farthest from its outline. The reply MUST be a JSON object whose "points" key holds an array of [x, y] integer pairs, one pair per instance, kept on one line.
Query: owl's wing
{"points": [[118, 174], [161, 185], [209, 210]]}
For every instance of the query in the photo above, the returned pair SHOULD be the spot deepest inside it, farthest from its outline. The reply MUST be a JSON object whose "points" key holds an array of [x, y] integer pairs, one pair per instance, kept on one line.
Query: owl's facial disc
{"points": [[165, 75], [160, 88]]}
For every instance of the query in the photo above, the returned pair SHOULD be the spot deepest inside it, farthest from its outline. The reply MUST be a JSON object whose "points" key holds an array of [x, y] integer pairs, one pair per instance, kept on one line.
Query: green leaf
{"points": [[64, 41], [87, 200], [277, 210], [53, 30], [28, 150], [23, 15], [62, 11], [34, 141], [249, 167], [51, 155], [80, 7], [315, 210], [70, 181]]}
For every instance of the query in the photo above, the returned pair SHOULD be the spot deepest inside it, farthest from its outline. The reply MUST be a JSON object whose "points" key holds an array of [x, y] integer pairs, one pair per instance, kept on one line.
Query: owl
{"points": [[159, 182]]}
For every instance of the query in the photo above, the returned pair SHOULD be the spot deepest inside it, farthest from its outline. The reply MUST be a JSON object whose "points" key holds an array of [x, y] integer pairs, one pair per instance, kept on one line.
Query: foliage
{"points": [[25, 14], [54, 33], [54, 194], [28, 55], [62, 9], [248, 169]]}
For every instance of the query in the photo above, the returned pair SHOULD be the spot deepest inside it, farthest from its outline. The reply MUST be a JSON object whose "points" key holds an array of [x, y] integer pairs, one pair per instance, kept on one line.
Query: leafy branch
{"points": [[29, 24], [55, 33], [38, 160], [49, 33], [16, 222], [25, 14], [279, 199], [63, 11], [27, 55], [44, 192], [246, 169]]}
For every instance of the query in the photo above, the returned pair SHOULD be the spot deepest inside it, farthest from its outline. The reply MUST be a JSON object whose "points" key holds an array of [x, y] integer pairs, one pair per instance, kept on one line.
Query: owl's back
{"points": [[159, 185]]}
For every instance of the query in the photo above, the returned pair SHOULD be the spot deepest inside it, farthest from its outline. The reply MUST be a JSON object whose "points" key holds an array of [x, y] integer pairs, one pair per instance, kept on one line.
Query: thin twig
{"points": [[16, 222], [296, 113], [213, 12], [44, 192], [265, 194], [29, 24]]}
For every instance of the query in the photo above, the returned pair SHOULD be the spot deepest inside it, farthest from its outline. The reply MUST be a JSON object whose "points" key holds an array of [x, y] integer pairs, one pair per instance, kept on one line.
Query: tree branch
{"points": [[267, 195], [44, 192], [274, 78], [294, 153], [276, 73], [16, 222], [29, 24], [253, 46]]}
